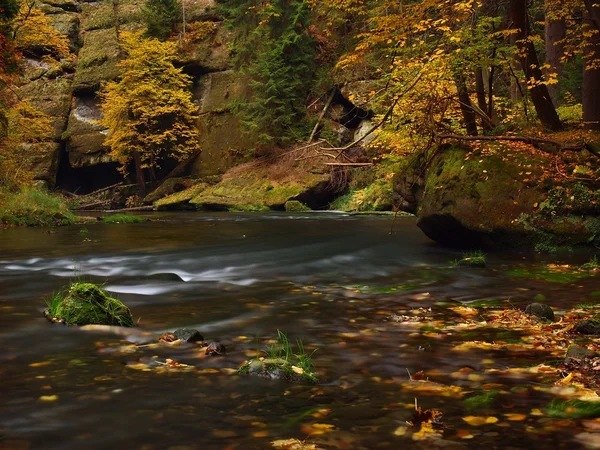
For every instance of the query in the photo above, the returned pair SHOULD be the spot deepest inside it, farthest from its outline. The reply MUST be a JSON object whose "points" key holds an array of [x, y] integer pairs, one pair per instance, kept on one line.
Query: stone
{"points": [[578, 352], [87, 150], [541, 311], [188, 335], [212, 53], [362, 130], [295, 206], [97, 61], [590, 327], [499, 199]]}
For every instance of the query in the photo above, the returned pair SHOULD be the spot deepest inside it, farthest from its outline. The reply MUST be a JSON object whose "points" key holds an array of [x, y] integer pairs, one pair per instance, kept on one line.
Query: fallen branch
{"points": [[91, 194], [349, 164], [327, 105], [134, 208], [526, 139]]}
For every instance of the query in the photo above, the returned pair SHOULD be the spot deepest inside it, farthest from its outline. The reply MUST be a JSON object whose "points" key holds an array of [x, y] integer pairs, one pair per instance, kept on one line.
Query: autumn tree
{"points": [[149, 113]]}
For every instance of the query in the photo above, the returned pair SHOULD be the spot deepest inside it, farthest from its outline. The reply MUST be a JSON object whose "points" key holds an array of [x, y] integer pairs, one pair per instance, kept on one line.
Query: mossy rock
{"points": [[296, 206], [212, 53], [180, 200], [87, 150], [85, 304], [541, 311], [169, 187], [52, 97], [503, 197], [97, 61], [276, 369], [41, 160]]}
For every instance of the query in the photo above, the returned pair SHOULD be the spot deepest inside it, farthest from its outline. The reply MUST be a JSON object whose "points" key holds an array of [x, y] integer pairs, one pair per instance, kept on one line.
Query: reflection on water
{"points": [[332, 280]]}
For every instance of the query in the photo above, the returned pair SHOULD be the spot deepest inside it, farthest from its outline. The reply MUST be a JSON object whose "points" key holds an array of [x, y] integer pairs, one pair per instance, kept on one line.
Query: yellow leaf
{"points": [[298, 370], [513, 417], [49, 398], [477, 421]]}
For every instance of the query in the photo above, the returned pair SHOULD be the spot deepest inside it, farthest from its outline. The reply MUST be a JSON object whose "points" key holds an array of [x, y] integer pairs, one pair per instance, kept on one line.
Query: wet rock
{"points": [[86, 303], [276, 369], [541, 311], [588, 327], [469, 199], [188, 335], [578, 352], [215, 349], [295, 206]]}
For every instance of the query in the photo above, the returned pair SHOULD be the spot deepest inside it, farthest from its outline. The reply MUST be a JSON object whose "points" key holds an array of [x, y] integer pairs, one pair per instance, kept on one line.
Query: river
{"points": [[332, 280]]}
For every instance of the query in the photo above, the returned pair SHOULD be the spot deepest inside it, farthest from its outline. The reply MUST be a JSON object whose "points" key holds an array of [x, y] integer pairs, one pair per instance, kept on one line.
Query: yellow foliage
{"points": [[25, 125], [150, 110], [34, 32]]}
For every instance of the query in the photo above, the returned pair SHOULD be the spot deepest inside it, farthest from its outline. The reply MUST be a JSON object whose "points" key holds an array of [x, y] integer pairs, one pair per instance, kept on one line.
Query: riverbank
{"points": [[32, 207]]}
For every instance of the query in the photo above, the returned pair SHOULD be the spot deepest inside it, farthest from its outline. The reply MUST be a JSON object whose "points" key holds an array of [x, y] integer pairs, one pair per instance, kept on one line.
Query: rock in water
{"points": [[215, 349], [540, 310], [578, 352], [87, 304], [188, 335], [588, 327]]}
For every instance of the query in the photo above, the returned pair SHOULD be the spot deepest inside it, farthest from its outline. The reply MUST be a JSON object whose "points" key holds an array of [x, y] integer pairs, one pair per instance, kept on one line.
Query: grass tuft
{"points": [[32, 207], [471, 259], [123, 218]]}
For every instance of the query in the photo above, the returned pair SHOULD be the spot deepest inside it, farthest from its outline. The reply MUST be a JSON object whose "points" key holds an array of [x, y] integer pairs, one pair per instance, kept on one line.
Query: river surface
{"points": [[332, 280]]}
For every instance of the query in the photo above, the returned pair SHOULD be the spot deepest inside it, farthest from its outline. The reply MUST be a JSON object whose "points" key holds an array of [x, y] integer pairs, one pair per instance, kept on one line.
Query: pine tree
{"points": [[161, 17], [149, 113], [279, 54]]}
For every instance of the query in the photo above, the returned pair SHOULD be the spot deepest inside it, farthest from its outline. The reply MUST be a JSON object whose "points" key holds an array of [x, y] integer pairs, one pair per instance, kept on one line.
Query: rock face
{"points": [[69, 94], [503, 198]]}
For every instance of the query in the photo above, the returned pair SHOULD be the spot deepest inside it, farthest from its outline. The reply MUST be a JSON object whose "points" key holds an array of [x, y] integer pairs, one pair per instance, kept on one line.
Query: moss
{"points": [[30, 207], [86, 303], [123, 218], [97, 61], [295, 206], [100, 15], [471, 259], [180, 199], [252, 191], [559, 275]]}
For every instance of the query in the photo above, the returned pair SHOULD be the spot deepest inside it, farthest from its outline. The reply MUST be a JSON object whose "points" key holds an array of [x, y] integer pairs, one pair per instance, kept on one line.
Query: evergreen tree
{"points": [[279, 54], [161, 17]]}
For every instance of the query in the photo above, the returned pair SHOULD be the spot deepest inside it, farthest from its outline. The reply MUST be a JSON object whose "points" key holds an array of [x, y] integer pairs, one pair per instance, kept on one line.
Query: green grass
{"points": [[281, 358], [592, 264], [547, 274], [31, 207], [573, 409], [86, 303], [480, 401], [471, 259], [123, 218]]}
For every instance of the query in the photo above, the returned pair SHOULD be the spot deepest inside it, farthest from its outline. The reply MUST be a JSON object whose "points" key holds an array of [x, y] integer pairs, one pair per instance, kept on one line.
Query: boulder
{"points": [[188, 335], [211, 53], [97, 61], [276, 369], [500, 198], [362, 130], [578, 352], [41, 159], [588, 327], [541, 311], [85, 304]]}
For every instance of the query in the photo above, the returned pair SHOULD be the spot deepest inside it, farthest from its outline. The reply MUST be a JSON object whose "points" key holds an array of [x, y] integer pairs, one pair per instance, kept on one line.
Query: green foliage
{"points": [[295, 206], [161, 16], [484, 400], [471, 259], [122, 218], [87, 303], [150, 110], [592, 264], [31, 207], [278, 53], [280, 360], [573, 409]]}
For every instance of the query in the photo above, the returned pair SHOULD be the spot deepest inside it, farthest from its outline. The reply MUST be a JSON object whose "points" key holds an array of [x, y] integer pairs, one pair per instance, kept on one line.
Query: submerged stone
{"points": [[578, 352], [85, 304], [276, 369], [541, 311], [215, 349], [588, 327], [188, 335]]}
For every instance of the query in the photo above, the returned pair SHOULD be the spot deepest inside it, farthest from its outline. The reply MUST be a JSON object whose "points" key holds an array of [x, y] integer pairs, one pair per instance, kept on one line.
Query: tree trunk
{"points": [[482, 98], [591, 72], [465, 105], [139, 173], [115, 4], [556, 31], [531, 68]]}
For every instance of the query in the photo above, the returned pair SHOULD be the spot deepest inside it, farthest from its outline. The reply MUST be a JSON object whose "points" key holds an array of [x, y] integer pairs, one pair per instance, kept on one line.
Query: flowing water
{"points": [[332, 280]]}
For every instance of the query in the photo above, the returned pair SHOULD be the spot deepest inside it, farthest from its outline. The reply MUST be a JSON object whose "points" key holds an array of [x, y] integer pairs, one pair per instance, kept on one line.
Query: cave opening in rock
{"points": [[86, 179]]}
